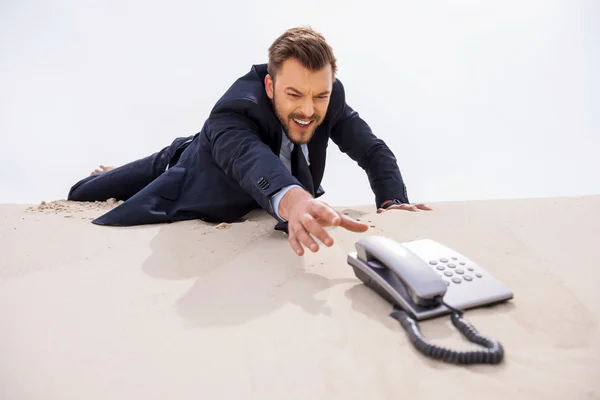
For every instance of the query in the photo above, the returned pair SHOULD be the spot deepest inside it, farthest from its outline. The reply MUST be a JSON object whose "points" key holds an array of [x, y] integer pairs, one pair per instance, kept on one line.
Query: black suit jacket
{"points": [[232, 165]]}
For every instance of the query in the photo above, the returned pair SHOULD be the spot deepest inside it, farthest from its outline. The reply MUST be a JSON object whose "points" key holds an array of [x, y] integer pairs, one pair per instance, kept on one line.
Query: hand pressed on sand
{"points": [[407, 207]]}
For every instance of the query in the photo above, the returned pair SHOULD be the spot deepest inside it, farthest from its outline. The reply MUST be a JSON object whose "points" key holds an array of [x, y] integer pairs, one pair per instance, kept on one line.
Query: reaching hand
{"points": [[307, 216], [407, 207]]}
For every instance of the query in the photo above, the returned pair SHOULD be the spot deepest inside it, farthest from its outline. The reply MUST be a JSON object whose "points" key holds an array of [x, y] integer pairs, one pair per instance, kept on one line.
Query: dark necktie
{"points": [[301, 171]]}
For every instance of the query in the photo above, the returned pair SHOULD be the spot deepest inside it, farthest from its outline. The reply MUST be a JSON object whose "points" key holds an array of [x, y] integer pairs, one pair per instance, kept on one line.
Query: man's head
{"points": [[302, 70]]}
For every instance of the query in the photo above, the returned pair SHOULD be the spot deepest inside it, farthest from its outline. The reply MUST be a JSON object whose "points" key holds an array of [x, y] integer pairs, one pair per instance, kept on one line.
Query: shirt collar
{"points": [[285, 141]]}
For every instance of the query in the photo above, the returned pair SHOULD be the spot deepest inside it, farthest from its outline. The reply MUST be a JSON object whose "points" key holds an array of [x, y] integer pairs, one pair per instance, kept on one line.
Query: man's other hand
{"points": [[406, 207], [308, 217]]}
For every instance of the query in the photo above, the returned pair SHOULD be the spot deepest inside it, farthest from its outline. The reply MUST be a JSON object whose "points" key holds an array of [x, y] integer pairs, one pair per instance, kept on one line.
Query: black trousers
{"points": [[125, 181]]}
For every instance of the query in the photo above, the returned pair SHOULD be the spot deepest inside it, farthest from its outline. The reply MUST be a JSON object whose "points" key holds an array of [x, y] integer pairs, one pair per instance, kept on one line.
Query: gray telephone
{"points": [[424, 279]]}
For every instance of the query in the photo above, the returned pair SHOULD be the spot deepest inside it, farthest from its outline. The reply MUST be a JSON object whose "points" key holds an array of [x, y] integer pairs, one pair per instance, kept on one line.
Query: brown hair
{"points": [[303, 44]]}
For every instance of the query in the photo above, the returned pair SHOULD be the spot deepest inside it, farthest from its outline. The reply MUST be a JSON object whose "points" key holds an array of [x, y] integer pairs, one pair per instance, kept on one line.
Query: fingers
{"points": [[337, 218], [406, 207], [316, 229], [101, 168], [306, 229], [311, 224], [302, 232], [327, 214], [306, 239], [298, 236], [295, 244], [352, 224]]}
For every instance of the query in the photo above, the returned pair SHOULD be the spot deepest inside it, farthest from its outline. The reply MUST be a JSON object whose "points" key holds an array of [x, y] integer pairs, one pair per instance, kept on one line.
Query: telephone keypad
{"points": [[452, 262]]}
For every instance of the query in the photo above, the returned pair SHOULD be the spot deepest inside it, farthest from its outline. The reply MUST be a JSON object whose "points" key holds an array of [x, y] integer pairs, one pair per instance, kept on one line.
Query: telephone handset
{"points": [[424, 279], [421, 283]]}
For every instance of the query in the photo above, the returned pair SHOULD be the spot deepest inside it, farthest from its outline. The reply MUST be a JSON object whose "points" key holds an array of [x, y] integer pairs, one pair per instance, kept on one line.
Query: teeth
{"points": [[302, 122]]}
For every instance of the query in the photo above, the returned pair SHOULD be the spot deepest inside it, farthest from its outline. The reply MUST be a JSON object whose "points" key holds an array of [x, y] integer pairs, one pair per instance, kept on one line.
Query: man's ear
{"points": [[269, 86]]}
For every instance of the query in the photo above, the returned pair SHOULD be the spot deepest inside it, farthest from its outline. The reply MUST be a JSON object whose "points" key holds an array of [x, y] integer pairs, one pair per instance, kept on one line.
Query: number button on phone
{"points": [[456, 279], [451, 265], [468, 278], [440, 267], [448, 273]]}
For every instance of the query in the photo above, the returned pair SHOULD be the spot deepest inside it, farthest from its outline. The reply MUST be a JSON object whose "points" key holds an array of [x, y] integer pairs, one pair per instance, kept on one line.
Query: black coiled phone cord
{"points": [[493, 354]]}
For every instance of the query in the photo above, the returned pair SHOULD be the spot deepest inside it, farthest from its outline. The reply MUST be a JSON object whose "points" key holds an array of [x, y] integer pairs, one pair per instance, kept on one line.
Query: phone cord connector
{"points": [[493, 354]]}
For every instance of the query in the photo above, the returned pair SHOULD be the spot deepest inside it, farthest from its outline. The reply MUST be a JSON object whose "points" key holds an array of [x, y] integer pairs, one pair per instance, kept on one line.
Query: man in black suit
{"points": [[263, 145]]}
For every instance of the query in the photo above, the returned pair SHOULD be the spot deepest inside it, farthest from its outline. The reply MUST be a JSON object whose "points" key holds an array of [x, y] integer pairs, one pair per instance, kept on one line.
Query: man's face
{"points": [[300, 98]]}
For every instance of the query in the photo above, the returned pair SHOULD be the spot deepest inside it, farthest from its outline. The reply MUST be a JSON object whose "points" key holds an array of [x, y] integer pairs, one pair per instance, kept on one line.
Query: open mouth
{"points": [[303, 123]]}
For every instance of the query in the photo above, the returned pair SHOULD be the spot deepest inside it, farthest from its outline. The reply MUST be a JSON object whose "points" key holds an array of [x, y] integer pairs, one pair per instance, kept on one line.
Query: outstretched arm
{"points": [[355, 138]]}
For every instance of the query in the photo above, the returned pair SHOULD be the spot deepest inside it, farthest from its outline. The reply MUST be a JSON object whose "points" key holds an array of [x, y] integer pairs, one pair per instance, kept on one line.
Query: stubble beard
{"points": [[286, 125]]}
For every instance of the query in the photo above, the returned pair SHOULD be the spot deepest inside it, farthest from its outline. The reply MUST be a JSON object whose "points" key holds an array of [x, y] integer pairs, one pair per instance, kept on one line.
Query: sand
{"points": [[192, 310]]}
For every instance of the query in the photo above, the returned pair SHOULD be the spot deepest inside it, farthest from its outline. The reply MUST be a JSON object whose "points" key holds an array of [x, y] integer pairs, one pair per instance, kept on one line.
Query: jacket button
{"points": [[263, 184]]}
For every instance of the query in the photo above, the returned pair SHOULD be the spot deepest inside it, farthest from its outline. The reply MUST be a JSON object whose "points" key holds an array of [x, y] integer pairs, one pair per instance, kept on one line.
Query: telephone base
{"points": [[392, 297], [469, 284], [373, 285]]}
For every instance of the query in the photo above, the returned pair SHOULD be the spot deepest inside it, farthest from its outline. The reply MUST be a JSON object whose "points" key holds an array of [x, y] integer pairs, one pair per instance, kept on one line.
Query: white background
{"points": [[478, 99]]}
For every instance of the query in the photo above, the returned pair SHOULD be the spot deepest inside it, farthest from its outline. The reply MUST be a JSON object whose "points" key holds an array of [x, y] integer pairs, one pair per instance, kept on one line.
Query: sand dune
{"points": [[194, 310]]}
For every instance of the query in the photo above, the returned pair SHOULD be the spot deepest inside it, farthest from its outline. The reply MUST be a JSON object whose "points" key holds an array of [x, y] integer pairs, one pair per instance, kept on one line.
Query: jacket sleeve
{"points": [[238, 148], [355, 138]]}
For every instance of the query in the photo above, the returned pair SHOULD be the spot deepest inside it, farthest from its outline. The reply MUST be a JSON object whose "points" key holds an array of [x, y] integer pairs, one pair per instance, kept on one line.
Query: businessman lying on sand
{"points": [[263, 145]]}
